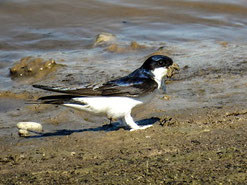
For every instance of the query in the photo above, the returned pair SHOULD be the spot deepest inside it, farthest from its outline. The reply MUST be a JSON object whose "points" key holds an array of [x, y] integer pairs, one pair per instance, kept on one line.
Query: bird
{"points": [[115, 98]]}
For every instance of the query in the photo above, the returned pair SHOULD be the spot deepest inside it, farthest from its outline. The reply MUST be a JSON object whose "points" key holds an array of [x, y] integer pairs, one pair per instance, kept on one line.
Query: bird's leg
{"points": [[131, 123], [110, 119], [122, 123]]}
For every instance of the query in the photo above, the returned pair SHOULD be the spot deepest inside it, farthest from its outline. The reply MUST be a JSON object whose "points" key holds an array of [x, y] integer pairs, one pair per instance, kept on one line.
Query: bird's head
{"points": [[158, 66]]}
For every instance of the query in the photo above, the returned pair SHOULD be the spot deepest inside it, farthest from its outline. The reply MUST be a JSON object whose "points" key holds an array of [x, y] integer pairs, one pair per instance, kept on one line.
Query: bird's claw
{"points": [[141, 127]]}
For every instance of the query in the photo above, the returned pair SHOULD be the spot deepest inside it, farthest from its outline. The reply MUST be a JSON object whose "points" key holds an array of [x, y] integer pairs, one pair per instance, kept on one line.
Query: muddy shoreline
{"points": [[195, 146], [199, 133]]}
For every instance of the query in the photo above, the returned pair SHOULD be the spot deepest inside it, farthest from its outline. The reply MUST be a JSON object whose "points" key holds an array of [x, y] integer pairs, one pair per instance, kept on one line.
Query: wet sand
{"points": [[199, 134], [193, 146]]}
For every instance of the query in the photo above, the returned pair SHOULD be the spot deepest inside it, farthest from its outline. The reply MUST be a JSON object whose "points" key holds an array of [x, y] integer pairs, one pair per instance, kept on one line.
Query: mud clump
{"points": [[115, 48], [134, 45], [122, 49], [163, 51], [33, 67], [109, 41], [168, 121], [104, 38], [173, 69]]}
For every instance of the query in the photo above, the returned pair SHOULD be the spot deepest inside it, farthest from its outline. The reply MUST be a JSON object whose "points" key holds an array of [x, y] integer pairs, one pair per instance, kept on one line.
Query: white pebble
{"points": [[31, 126], [23, 132]]}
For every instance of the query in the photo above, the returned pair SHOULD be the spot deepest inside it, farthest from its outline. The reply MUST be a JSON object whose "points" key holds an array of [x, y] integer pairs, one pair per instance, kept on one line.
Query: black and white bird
{"points": [[115, 98]]}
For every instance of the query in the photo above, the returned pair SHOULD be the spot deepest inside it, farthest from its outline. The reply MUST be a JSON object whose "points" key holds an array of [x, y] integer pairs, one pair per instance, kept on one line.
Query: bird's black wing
{"points": [[130, 87], [71, 91]]}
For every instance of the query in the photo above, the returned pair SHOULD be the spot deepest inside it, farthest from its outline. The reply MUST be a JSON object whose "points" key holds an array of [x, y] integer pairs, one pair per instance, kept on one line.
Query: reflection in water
{"points": [[69, 24], [31, 28]]}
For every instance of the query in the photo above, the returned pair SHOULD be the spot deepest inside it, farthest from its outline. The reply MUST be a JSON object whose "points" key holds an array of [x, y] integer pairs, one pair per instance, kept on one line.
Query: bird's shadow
{"points": [[106, 128]]}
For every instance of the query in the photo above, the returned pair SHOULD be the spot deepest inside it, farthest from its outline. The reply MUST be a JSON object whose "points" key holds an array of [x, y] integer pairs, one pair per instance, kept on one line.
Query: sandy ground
{"points": [[205, 146], [199, 133]]}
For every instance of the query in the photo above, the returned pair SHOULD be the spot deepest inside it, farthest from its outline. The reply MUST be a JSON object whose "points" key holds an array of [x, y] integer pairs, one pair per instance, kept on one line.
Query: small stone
{"points": [[23, 133], [166, 97], [103, 38], [134, 45], [30, 126]]}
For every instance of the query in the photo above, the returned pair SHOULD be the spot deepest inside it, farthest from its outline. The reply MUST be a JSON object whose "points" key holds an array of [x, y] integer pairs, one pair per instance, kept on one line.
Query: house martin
{"points": [[115, 98]]}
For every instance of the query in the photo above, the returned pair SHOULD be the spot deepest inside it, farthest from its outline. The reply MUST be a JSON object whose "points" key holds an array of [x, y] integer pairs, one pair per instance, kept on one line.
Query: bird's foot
{"points": [[121, 124], [140, 127]]}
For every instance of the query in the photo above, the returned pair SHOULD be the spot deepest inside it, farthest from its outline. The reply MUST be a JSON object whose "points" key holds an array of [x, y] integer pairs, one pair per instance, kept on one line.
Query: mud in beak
{"points": [[172, 70]]}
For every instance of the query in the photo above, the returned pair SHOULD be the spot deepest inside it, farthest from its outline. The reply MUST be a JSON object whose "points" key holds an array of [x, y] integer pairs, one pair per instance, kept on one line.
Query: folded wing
{"points": [[130, 87]]}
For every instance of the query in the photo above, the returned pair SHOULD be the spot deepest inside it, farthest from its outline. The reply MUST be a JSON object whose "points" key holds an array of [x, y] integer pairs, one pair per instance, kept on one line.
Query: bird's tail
{"points": [[55, 99]]}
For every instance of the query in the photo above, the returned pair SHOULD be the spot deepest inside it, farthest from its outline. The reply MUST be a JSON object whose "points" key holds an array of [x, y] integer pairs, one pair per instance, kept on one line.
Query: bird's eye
{"points": [[160, 62]]}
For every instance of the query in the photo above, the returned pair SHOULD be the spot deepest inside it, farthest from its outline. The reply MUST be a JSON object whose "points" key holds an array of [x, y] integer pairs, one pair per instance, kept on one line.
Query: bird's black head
{"points": [[157, 61]]}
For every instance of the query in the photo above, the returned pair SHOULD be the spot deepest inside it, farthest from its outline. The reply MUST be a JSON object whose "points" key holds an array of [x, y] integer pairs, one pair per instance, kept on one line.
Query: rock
{"points": [[166, 97], [135, 46], [30, 126], [104, 38], [122, 49], [32, 67], [115, 48], [23, 133]]}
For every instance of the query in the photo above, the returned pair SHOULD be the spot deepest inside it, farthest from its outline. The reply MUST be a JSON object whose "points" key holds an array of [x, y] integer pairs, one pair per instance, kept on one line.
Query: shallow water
{"points": [[37, 27]]}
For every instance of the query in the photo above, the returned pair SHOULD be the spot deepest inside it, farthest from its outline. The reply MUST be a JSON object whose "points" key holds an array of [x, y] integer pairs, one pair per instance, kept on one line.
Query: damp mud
{"points": [[198, 134], [199, 123], [194, 146], [32, 68]]}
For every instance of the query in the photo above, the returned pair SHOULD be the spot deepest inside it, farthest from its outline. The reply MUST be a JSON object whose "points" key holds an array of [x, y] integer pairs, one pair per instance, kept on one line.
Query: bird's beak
{"points": [[163, 85], [170, 72]]}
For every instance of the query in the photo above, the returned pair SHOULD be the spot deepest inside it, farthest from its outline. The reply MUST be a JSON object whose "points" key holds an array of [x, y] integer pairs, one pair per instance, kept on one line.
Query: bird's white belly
{"points": [[113, 107]]}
